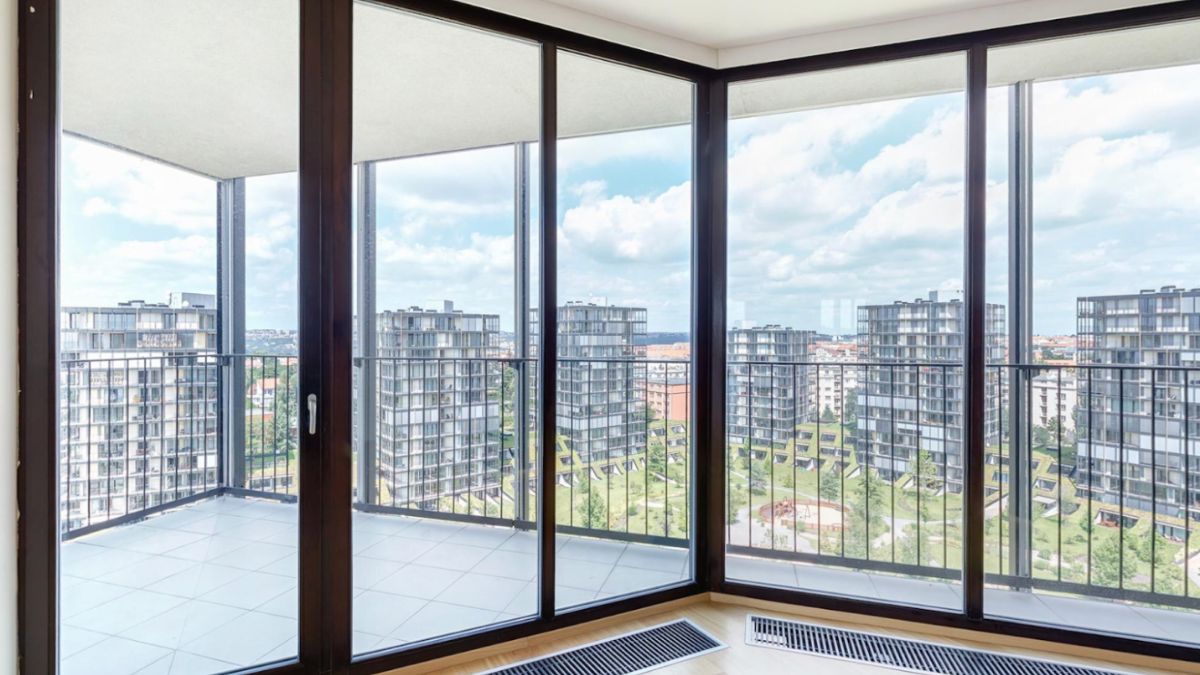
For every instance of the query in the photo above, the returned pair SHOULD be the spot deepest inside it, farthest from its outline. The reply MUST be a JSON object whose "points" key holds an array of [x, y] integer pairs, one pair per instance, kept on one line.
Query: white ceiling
{"points": [[211, 85], [727, 33]]}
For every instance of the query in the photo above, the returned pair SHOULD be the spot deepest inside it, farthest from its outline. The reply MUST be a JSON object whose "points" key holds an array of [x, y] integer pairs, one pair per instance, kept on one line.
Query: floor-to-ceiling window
{"points": [[177, 277], [445, 526], [623, 452], [844, 385], [1092, 500]]}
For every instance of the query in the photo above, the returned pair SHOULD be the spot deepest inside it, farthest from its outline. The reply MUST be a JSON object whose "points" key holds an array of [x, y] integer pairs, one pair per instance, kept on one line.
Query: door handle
{"points": [[312, 414]]}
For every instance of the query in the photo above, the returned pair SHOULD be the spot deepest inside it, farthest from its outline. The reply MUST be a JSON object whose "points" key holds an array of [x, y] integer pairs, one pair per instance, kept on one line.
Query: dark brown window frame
{"points": [[325, 232]]}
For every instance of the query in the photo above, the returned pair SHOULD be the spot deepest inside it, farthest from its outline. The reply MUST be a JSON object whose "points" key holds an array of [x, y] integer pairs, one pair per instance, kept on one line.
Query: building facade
{"points": [[601, 398], [138, 400], [911, 394], [1131, 353], [767, 387], [1054, 399], [437, 407]]}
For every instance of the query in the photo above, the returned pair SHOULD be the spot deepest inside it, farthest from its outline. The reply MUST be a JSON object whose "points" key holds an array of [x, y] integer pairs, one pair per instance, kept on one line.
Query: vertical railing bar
{"points": [[841, 468], [90, 424], [864, 470], [626, 454], [1001, 507], [418, 371], [504, 368], [945, 475], [771, 452], [1187, 484], [1058, 398], [66, 441], [917, 461], [891, 461], [750, 457], [1091, 476], [796, 457], [1153, 477], [162, 426], [470, 435], [1024, 534], [666, 456], [125, 432], [1121, 470]]}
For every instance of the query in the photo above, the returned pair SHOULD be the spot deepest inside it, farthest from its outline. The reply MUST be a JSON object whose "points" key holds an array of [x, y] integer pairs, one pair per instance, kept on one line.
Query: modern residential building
{"points": [[1054, 399], [138, 406], [767, 392], [600, 407], [835, 381], [911, 397], [439, 425], [668, 393], [1131, 348]]}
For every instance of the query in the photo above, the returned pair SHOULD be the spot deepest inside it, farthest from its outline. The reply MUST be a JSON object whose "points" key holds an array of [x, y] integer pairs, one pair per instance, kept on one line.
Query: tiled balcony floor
{"points": [[1092, 614], [211, 586]]}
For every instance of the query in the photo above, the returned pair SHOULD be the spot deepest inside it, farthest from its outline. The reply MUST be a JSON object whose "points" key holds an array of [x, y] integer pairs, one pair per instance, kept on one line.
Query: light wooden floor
{"points": [[725, 618]]}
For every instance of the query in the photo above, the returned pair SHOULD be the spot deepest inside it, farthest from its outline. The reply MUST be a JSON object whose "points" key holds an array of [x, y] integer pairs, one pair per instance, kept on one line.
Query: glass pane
{"points": [[844, 384], [623, 470], [1099, 474], [445, 532], [178, 315]]}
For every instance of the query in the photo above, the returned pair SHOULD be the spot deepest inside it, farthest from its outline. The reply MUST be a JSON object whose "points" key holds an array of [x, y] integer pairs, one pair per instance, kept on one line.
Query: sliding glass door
{"points": [[445, 519], [178, 379]]}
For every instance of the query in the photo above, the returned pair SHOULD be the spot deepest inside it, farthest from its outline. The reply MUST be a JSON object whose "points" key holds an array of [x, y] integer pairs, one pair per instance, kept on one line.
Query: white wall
{"points": [[8, 335]]}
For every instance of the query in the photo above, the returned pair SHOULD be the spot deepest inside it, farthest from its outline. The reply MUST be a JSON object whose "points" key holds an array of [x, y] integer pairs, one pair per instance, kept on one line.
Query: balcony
{"points": [[186, 552], [1073, 534], [211, 586], [186, 559]]}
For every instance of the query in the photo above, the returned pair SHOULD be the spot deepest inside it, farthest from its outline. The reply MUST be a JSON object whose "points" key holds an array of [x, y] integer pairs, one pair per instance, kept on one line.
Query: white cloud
{"points": [[623, 229], [139, 190]]}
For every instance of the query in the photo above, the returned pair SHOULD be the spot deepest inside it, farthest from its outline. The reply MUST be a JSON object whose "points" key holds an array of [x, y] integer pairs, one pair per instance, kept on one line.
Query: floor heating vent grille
{"points": [[899, 653], [636, 652]]}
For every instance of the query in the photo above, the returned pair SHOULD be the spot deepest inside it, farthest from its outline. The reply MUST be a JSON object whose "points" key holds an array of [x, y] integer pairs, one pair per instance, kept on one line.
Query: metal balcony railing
{"points": [[1091, 477], [445, 439], [1096, 493]]}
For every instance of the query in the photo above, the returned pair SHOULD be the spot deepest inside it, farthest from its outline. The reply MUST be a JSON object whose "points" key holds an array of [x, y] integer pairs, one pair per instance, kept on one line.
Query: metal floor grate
{"points": [[636, 652], [899, 653]]}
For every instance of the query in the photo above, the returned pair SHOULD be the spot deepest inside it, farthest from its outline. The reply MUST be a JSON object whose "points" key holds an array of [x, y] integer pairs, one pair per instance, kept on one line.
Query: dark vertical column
{"points": [[521, 333], [37, 324], [975, 385], [365, 440], [1020, 336], [231, 328], [548, 328], [325, 324], [708, 329]]}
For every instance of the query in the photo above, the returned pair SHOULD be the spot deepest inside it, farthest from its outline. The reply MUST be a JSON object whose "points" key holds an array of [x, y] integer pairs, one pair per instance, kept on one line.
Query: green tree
{"points": [[592, 511], [831, 486], [864, 520], [827, 414], [1107, 567]]}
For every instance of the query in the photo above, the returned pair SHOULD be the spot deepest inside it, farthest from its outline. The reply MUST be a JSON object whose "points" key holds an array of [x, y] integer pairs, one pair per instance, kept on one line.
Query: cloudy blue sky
{"points": [[829, 210]]}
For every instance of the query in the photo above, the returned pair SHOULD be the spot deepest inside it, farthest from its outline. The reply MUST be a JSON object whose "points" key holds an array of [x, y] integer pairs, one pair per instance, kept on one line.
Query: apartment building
{"points": [[911, 398], [1054, 398], [835, 377], [138, 399], [1131, 348], [601, 398], [438, 422], [767, 394]]}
